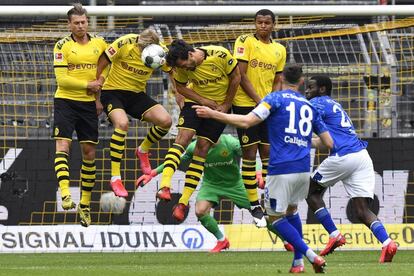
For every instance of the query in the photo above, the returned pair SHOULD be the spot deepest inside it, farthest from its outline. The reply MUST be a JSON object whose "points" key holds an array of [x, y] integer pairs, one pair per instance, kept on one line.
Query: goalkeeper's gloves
{"points": [[259, 180], [145, 179]]}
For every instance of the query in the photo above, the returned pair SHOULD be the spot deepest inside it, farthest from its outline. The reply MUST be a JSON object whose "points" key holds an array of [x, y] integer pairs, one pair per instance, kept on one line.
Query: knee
{"points": [[166, 122], [200, 212], [122, 124]]}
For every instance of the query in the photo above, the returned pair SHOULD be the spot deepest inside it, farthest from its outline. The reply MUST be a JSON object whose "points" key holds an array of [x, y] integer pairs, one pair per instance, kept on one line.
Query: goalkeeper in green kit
{"points": [[221, 179]]}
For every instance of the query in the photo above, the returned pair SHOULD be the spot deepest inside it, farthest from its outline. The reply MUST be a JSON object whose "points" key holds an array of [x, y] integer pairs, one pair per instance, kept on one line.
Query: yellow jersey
{"points": [[210, 79], [128, 72], [75, 65], [264, 61]]}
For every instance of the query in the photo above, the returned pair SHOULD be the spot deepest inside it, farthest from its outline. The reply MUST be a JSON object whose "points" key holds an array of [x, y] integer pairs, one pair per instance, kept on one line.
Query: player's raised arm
{"points": [[241, 121]]}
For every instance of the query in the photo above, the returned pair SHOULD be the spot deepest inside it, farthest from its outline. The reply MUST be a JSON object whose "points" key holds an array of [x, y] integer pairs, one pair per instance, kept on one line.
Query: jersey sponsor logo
{"points": [[240, 51], [81, 66], [205, 82], [256, 63], [111, 51], [134, 70], [296, 140], [192, 238], [59, 57], [218, 164]]}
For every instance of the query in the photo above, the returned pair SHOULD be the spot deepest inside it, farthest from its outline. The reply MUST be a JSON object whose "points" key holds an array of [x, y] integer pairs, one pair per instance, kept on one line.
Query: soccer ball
{"points": [[111, 203], [153, 56]]}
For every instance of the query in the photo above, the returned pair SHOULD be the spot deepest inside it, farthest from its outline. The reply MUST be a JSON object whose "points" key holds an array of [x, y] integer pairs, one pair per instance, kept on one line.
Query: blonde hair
{"points": [[77, 9], [147, 37]]}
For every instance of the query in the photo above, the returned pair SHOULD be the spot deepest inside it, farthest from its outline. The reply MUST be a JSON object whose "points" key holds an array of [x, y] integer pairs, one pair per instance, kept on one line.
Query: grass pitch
{"points": [[191, 263]]}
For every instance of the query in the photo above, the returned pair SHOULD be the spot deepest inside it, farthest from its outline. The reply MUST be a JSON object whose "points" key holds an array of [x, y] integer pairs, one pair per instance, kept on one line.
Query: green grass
{"points": [[226, 263]]}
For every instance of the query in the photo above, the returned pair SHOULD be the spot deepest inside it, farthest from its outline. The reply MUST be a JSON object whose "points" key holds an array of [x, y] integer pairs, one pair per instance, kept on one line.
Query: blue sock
{"points": [[290, 234], [379, 231], [294, 220], [325, 219]]}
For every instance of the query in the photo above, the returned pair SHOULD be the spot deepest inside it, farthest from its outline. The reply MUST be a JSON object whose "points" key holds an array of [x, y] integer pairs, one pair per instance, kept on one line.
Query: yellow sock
{"points": [[171, 162], [88, 176], [249, 180], [62, 172], [117, 147], [192, 177], [154, 135]]}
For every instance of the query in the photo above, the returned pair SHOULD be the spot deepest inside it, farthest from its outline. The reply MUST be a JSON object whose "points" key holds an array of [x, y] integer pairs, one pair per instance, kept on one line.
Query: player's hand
{"points": [[203, 111], [259, 180], [145, 179], [223, 107], [93, 87], [99, 107], [210, 103]]}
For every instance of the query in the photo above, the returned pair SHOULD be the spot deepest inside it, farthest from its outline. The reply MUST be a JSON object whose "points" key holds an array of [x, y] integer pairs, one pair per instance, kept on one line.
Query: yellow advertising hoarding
{"points": [[358, 237]]}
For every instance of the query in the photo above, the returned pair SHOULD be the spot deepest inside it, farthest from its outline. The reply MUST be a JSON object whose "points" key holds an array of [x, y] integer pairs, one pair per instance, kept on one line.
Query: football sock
{"points": [[211, 225], [290, 234], [62, 172], [265, 164], [117, 147], [294, 220], [88, 175], [379, 231], [325, 219], [192, 177], [154, 135], [249, 180], [171, 162]]}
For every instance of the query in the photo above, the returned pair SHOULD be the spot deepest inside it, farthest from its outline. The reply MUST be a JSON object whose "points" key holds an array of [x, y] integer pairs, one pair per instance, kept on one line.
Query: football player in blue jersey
{"points": [[291, 119], [348, 162]]}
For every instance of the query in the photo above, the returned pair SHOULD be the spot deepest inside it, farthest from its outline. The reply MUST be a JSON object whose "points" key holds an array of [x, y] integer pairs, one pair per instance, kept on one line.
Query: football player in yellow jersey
{"points": [[261, 61], [75, 107], [208, 76], [124, 93]]}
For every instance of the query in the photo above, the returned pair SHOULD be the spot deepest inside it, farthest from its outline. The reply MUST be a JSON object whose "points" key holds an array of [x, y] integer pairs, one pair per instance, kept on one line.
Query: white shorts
{"points": [[355, 170], [284, 190]]}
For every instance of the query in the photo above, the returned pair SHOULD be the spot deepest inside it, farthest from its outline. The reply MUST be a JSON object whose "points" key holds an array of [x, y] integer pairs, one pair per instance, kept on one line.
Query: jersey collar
{"points": [[270, 38]]}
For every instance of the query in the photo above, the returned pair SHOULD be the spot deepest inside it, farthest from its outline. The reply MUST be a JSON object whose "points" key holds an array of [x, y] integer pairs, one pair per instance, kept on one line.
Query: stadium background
{"points": [[370, 60]]}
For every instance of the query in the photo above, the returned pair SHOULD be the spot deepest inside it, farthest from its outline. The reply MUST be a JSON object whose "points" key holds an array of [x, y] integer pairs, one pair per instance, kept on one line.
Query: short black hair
{"points": [[293, 73], [178, 49], [323, 80], [265, 12]]}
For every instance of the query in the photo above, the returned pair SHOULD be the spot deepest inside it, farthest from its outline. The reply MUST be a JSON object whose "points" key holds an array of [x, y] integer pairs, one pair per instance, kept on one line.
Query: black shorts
{"points": [[76, 116], [205, 128], [134, 104], [253, 135]]}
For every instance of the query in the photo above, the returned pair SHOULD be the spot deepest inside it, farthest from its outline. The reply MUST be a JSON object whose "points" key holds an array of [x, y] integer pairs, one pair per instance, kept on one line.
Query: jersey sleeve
{"points": [[318, 124], [267, 105], [180, 76], [230, 62], [115, 49], [282, 61], [242, 48], [60, 55]]}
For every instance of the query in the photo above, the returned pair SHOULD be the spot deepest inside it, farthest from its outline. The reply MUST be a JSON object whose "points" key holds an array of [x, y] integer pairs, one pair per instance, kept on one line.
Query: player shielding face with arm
{"points": [[260, 60], [221, 179], [291, 119], [348, 162], [208, 76], [124, 94], [75, 109]]}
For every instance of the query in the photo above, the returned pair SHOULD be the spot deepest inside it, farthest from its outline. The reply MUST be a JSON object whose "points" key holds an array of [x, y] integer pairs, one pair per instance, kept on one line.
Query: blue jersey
{"points": [[339, 125], [290, 120]]}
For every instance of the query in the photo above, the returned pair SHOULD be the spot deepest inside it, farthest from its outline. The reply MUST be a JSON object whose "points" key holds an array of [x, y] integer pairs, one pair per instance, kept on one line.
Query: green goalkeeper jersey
{"points": [[222, 165]]}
